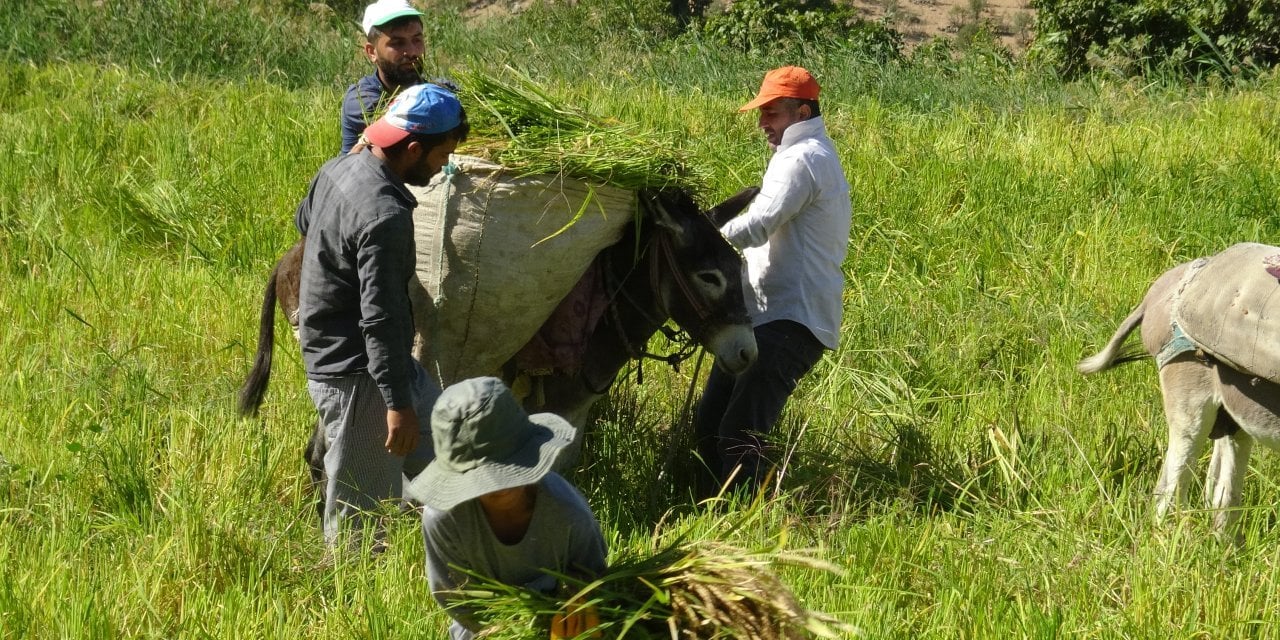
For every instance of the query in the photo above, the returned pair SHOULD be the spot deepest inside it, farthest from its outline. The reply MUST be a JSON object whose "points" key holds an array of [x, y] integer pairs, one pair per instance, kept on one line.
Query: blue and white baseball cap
{"points": [[423, 109]]}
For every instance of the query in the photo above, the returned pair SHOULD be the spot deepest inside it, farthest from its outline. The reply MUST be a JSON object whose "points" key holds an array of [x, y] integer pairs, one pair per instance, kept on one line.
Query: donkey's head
{"points": [[698, 274]]}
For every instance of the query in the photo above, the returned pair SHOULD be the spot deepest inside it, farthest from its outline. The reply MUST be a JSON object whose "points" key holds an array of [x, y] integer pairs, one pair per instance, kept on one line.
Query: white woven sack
{"points": [[496, 253], [1230, 307]]}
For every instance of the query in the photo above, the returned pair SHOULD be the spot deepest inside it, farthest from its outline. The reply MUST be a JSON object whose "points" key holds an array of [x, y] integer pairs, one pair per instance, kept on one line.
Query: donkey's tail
{"points": [[255, 386], [1112, 355]]}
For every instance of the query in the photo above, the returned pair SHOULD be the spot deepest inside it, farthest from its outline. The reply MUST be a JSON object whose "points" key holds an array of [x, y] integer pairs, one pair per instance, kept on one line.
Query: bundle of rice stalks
{"points": [[682, 589], [520, 125]]}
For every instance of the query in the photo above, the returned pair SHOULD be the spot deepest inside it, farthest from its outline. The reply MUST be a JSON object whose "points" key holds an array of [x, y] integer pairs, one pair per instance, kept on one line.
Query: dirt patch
{"points": [[485, 9], [922, 20], [918, 20]]}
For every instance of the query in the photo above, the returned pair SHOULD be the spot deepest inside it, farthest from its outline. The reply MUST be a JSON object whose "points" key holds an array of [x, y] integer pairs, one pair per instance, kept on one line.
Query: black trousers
{"points": [[736, 413]]}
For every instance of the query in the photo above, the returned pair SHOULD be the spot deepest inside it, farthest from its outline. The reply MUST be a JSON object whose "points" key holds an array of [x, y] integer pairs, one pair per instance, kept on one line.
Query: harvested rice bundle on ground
{"points": [[518, 124], [682, 589]]}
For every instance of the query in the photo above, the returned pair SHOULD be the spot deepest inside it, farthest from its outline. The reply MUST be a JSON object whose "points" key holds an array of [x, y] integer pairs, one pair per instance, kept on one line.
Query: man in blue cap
{"points": [[355, 321], [394, 45]]}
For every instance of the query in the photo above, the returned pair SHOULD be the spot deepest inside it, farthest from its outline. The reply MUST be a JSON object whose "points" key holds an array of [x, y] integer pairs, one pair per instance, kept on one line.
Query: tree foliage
{"points": [[752, 25], [1134, 36]]}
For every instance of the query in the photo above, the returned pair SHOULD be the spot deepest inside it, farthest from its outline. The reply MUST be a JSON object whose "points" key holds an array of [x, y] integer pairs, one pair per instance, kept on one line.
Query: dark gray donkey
{"points": [[672, 265]]}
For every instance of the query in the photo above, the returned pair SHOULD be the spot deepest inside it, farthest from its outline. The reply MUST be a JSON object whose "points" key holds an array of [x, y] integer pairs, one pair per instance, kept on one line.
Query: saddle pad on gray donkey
{"points": [[497, 251], [1231, 308]]}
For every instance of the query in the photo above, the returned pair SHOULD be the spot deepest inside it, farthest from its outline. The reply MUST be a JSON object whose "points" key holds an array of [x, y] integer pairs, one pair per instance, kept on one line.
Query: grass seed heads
{"points": [[699, 590], [521, 126]]}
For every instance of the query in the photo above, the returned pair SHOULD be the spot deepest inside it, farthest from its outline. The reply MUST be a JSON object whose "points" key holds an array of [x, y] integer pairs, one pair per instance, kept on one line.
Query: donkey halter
{"points": [[661, 256]]}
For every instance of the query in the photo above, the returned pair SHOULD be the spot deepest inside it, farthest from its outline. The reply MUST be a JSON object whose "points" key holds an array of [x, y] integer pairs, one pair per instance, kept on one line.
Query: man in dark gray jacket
{"points": [[355, 321]]}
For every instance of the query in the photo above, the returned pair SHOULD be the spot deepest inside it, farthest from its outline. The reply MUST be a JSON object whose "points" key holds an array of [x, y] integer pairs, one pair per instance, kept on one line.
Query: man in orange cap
{"points": [[794, 238]]}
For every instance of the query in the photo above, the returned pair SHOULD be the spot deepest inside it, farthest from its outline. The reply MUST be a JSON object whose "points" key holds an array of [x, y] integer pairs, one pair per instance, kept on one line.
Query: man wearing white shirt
{"points": [[794, 238]]}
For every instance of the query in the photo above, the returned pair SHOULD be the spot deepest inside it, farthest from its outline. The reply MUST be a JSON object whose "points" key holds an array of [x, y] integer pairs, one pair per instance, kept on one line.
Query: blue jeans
{"points": [[736, 413]]}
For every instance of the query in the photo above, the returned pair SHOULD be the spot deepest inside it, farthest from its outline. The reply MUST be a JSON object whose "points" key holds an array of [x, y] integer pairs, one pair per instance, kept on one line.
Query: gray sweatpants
{"points": [[361, 474]]}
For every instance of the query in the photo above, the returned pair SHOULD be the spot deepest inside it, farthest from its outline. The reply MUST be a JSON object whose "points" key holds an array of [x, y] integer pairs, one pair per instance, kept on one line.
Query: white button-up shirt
{"points": [[795, 235]]}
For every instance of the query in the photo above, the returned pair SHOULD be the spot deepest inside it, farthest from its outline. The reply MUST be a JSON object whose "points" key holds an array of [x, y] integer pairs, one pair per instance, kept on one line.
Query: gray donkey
{"points": [[1213, 327]]}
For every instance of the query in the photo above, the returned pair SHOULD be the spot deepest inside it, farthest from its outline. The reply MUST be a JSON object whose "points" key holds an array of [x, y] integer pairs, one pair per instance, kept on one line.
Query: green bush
{"points": [[588, 23], [1135, 36], [757, 25]]}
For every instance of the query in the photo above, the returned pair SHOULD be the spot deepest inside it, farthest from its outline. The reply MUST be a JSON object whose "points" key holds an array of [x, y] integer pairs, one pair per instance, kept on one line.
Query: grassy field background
{"points": [[947, 456]]}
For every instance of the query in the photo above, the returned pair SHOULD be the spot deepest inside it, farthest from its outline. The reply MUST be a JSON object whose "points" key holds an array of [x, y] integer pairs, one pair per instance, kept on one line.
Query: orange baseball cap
{"points": [[784, 82]]}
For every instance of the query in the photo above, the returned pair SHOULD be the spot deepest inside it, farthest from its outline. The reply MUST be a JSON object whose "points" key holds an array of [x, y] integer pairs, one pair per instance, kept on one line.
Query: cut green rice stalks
{"points": [[680, 588], [519, 125]]}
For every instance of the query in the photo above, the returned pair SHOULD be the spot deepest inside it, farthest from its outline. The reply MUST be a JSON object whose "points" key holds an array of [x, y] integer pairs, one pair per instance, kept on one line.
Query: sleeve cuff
{"points": [[397, 397]]}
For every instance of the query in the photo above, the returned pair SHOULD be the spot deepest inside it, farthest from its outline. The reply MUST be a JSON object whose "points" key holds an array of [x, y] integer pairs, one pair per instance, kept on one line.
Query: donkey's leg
{"points": [[1251, 412], [1224, 426], [317, 447], [1232, 457], [1220, 450], [567, 396], [1190, 406]]}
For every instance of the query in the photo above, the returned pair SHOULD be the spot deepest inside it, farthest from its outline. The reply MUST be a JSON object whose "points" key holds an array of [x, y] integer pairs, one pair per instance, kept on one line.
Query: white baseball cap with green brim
{"points": [[384, 11], [485, 442]]}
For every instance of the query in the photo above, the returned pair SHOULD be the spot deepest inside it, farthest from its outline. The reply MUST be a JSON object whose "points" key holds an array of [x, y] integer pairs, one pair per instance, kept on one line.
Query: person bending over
{"points": [[494, 508]]}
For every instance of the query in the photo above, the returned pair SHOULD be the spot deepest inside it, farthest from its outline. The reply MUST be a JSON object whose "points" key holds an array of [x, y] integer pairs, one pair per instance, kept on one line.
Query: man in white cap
{"points": [[495, 508], [394, 45], [355, 322], [794, 238]]}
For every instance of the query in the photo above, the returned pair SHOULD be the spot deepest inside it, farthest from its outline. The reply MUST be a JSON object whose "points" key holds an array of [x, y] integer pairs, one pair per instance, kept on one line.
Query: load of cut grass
{"points": [[520, 125], [679, 588]]}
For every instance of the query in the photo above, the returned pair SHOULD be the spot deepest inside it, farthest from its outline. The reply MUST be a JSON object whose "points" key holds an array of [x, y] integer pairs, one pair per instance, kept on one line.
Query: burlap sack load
{"points": [[1229, 305], [496, 252]]}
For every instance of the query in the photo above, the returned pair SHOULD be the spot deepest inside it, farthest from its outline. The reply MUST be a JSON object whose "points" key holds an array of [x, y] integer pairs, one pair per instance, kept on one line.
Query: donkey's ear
{"points": [[660, 210], [731, 207]]}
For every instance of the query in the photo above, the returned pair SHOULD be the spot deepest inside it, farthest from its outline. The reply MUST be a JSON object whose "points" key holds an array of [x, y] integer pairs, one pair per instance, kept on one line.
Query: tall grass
{"points": [[292, 43], [947, 456]]}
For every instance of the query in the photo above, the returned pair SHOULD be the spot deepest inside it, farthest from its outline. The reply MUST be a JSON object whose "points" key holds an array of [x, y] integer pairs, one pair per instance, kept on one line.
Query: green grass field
{"points": [[947, 456]]}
